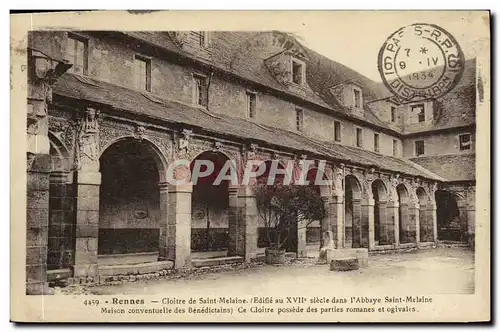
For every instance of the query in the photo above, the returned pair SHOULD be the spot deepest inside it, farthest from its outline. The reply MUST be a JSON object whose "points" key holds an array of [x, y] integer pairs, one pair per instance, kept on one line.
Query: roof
{"points": [[243, 54], [457, 167], [129, 100]]}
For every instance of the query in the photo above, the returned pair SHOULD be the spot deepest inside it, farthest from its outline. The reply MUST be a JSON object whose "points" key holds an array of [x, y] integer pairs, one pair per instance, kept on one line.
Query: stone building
{"points": [[108, 112]]}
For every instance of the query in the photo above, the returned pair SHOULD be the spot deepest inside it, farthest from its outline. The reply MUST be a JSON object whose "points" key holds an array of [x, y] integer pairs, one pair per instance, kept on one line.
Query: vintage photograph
{"points": [[245, 164]]}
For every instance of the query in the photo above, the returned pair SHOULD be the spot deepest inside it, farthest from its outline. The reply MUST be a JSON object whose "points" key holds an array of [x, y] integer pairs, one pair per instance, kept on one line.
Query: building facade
{"points": [[109, 112]]}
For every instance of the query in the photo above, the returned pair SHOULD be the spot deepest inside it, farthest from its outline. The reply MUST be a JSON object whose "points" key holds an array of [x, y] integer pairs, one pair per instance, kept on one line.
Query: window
{"points": [[202, 37], [251, 101], [359, 137], [200, 90], [419, 148], [299, 119], [465, 142], [78, 54], [298, 72], [420, 110], [394, 148], [376, 146], [393, 114], [357, 98], [337, 131], [142, 67]]}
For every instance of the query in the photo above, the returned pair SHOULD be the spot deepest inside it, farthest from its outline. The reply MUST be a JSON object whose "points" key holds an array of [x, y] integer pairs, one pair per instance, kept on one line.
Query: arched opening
{"points": [[210, 208], [406, 231], [352, 212], [380, 213], [290, 244], [61, 243], [448, 216], [129, 202], [315, 228], [426, 231]]}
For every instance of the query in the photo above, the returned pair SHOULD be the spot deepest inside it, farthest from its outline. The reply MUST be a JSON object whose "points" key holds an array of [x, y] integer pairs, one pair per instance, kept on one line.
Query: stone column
{"points": [[301, 238], [368, 223], [43, 71], [462, 210], [87, 223], [432, 220], [233, 237], [405, 223], [425, 230], [247, 224], [61, 222], [414, 223], [385, 225], [163, 189], [326, 223], [179, 225], [37, 224], [391, 225], [357, 229], [337, 220]]}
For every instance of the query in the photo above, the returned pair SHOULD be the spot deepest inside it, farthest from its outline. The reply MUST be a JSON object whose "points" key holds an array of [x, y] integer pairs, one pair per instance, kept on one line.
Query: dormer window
{"points": [[419, 109], [200, 96], [202, 37], [298, 72], [357, 98], [393, 114]]}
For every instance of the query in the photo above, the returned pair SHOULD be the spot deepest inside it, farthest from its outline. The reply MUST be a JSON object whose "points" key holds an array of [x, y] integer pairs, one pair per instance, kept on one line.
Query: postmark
{"points": [[420, 61]]}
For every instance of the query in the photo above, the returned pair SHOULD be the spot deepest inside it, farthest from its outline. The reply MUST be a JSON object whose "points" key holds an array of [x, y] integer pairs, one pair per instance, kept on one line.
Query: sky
{"points": [[355, 38]]}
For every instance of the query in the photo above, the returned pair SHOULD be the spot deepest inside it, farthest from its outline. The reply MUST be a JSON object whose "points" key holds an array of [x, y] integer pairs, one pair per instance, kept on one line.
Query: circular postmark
{"points": [[420, 61]]}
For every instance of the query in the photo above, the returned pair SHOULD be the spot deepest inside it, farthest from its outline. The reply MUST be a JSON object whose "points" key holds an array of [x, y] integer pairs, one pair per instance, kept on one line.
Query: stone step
{"points": [[217, 261], [128, 259], [143, 268]]}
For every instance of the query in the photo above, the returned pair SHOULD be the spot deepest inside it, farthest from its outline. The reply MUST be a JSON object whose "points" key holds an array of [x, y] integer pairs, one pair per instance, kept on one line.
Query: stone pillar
{"points": [[391, 225], [385, 226], [61, 222], [302, 238], [425, 230], [337, 220], [43, 71], [357, 229], [414, 223], [326, 223], [233, 221], [37, 224], [368, 223], [179, 225], [404, 223], [462, 210], [247, 224], [87, 223], [432, 220], [163, 189]]}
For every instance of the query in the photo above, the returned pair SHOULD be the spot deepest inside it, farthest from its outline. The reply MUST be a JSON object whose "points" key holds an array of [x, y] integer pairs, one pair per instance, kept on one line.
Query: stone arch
{"points": [[450, 226], [316, 230], [60, 155], [60, 249], [156, 153], [407, 231], [132, 198], [352, 211], [210, 222], [425, 215], [380, 197]]}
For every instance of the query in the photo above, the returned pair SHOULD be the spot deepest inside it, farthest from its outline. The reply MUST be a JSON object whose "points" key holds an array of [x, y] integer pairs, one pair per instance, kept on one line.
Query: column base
{"points": [[39, 288], [85, 270]]}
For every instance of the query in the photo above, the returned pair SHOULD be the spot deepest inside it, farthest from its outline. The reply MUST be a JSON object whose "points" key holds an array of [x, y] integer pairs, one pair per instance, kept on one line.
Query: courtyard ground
{"points": [[430, 271]]}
